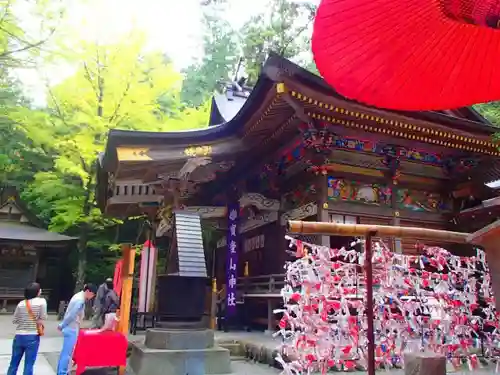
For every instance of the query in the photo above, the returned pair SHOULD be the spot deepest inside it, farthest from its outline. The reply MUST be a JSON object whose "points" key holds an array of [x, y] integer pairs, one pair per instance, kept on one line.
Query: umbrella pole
{"points": [[369, 302]]}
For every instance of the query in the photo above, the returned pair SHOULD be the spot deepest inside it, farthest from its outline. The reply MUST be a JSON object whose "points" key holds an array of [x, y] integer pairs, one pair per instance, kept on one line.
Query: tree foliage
{"points": [[114, 86], [218, 63], [20, 159], [284, 28], [490, 111], [25, 28]]}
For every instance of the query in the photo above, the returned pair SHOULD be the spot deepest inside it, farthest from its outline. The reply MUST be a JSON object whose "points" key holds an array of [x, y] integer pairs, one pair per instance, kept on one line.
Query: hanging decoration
{"points": [[410, 54], [434, 302]]}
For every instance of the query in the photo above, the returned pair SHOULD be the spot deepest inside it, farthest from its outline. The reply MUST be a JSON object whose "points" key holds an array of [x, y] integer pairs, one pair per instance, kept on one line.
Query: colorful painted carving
{"points": [[381, 149], [421, 201], [297, 153], [325, 139], [353, 191]]}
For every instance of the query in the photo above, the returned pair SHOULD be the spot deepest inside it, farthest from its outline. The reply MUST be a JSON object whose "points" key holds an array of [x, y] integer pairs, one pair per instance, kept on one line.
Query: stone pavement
{"points": [[42, 366], [52, 341]]}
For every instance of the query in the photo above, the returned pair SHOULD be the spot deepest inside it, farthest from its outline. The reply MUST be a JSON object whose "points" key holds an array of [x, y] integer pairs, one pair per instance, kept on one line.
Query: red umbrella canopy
{"points": [[410, 54]]}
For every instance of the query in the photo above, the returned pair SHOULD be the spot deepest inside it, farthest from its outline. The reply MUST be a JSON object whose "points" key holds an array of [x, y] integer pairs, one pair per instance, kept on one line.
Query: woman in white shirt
{"points": [[29, 318]]}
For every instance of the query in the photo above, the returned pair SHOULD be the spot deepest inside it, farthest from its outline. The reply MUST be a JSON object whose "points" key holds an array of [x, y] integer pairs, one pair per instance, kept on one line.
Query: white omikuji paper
{"points": [[422, 303]]}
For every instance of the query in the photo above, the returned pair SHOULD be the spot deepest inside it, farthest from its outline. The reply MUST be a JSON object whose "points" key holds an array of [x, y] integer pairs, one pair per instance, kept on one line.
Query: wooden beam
{"points": [[350, 230]]}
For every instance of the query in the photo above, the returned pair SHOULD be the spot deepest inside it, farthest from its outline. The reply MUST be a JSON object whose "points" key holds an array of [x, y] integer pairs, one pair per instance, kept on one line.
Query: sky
{"points": [[172, 26]]}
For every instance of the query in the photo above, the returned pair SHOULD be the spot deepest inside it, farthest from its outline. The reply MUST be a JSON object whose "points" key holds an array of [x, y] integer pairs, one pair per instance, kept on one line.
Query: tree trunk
{"points": [[82, 257], [83, 239]]}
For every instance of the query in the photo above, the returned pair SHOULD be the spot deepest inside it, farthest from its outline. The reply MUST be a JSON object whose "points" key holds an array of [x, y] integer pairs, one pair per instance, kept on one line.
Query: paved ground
{"points": [[52, 342], [49, 343]]}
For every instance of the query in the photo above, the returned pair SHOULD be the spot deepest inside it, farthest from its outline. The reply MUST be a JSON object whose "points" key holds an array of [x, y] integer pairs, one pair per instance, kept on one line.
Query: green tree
{"points": [[220, 56], [284, 28], [20, 159], [114, 86], [490, 111], [25, 28]]}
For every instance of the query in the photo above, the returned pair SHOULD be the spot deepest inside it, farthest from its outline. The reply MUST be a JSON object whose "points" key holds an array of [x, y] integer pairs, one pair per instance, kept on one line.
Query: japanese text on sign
{"points": [[233, 212]]}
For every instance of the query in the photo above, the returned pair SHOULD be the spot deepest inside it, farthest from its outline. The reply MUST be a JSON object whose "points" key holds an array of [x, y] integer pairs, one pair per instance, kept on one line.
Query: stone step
{"points": [[146, 361], [235, 348]]}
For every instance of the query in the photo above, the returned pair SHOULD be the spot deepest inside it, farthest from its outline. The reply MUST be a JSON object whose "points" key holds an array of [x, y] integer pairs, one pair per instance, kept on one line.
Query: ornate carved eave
{"points": [[258, 221], [302, 212], [207, 212], [269, 206], [252, 223], [259, 201]]}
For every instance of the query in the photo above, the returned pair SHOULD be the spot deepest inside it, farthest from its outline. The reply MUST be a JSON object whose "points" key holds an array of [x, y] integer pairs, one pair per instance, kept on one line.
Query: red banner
{"points": [[117, 278]]}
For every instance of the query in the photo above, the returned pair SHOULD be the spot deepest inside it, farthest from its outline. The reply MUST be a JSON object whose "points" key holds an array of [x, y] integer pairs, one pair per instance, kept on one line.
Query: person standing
{"points": [[70, 326], [98, 317], [110, 306], [29, 318]]}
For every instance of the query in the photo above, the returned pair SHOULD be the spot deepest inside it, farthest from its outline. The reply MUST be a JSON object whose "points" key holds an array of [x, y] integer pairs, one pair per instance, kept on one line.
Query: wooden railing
{"points": [[261, 285], [272, 284], [18, 293]]}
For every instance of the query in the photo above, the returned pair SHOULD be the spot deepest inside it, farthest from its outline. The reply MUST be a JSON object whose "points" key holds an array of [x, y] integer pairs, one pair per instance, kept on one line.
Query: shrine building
{"points": [[30, 253], [292, 148]]}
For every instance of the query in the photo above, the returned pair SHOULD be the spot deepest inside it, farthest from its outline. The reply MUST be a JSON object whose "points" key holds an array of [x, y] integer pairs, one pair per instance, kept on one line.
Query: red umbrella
{"points": [[410, 54]]}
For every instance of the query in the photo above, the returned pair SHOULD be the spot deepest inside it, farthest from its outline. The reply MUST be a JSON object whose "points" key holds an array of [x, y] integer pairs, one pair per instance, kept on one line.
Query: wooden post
{"points": [[36, 265], [126, 293], [323, 213], [213, 309], [398, 248], [270, 317], [369, 302]]}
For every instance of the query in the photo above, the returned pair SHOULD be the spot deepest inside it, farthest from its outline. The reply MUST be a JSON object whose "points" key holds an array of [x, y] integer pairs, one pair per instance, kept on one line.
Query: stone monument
{"points": [[181, 344], [425, 363]]}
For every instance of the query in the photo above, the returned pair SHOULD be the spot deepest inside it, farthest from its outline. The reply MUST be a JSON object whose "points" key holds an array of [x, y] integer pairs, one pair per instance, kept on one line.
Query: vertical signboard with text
{"points": [[233, 213]]}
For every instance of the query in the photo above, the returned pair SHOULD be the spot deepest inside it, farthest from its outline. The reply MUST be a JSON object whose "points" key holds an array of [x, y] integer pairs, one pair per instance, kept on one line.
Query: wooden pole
{"points": [[352, 230], [213, 305], [126, 294], [369, 303]]}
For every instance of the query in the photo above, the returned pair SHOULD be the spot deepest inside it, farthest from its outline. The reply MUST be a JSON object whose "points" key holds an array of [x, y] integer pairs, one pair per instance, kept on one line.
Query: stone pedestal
{"points": [[425, 364], [179, 352]]}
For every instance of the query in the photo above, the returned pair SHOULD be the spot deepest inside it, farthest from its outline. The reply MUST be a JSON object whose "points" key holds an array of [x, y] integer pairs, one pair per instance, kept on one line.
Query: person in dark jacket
{"points": [[98, 317], [110, 307], [111, 300]]}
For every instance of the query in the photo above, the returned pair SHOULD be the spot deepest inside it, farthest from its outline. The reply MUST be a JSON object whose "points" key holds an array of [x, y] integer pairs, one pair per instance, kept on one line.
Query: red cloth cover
{"points": [[96, 348], [410, 54]]}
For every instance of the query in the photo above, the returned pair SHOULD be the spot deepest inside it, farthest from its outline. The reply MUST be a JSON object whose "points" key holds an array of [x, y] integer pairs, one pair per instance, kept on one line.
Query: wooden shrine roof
{"points": [[18, 224], [255, 125], [11, 231]]}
